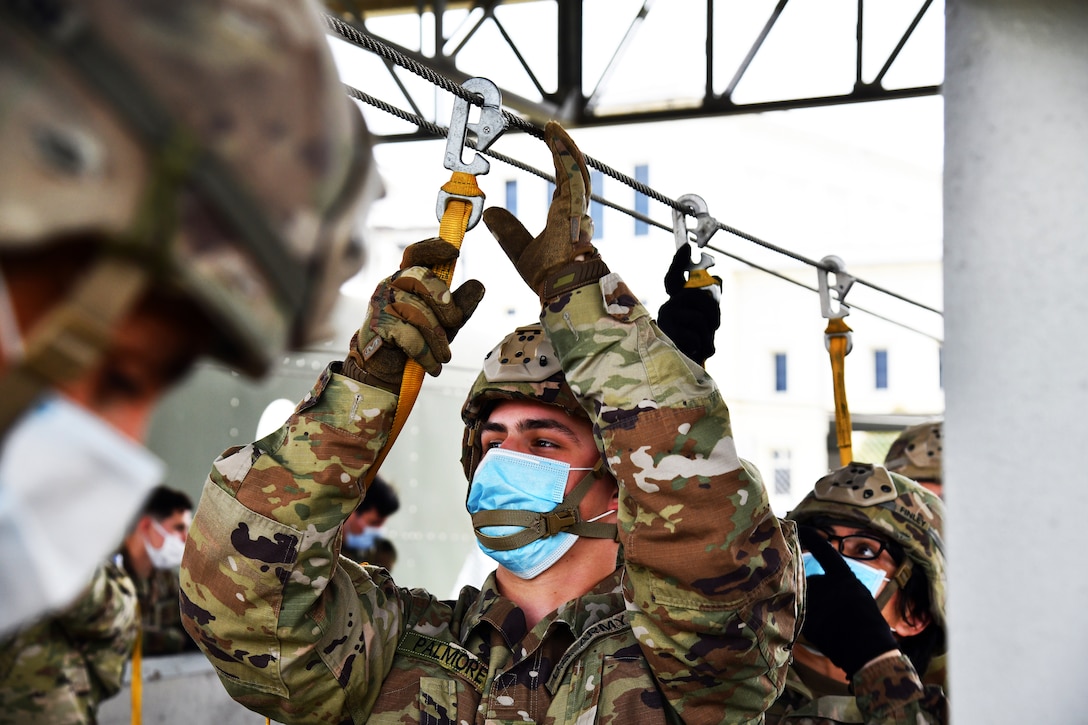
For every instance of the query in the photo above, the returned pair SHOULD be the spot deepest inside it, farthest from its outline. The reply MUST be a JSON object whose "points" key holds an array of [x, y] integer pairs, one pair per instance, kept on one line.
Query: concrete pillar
{"points": [[1016, 358]]}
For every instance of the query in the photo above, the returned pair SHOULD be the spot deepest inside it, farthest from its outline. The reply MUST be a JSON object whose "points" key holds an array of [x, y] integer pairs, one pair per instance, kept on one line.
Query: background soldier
{"points": [[875, 602]]}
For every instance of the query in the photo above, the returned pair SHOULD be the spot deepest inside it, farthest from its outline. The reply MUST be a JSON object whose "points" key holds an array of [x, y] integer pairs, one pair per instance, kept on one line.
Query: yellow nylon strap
{"points": [[837, 343], [699, 278], [137, 676], [452, 228]]}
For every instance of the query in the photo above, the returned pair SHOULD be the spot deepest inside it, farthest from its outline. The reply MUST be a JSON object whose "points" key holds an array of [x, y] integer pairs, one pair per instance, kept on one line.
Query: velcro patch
{"points": [[449, 656]]}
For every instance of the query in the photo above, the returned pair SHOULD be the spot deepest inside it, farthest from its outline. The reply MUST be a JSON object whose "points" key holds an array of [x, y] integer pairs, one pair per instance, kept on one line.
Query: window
{"points": [[512, 197], [642, 202], [782, 472], [273, 416], [596, 208], [551, 191], [780, 371], [880, 360]]}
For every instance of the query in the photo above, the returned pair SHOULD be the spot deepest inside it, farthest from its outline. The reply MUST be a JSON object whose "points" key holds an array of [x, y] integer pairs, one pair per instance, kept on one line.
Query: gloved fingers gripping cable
{"points": [[562, 257]]}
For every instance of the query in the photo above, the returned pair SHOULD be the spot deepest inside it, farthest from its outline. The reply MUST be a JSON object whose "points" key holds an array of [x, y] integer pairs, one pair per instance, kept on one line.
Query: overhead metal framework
{"points": [[556, 82]]}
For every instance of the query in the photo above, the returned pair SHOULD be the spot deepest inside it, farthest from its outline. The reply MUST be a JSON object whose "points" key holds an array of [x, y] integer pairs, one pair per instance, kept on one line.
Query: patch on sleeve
{"points": [[619, 301]]}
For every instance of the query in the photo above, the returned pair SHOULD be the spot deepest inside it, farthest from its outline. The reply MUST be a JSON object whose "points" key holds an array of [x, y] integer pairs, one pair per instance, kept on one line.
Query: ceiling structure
{"points": [[598, 62]]}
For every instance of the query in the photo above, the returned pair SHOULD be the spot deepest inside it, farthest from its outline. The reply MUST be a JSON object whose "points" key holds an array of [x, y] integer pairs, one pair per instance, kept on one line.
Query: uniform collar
{"points": [[576, 616]]}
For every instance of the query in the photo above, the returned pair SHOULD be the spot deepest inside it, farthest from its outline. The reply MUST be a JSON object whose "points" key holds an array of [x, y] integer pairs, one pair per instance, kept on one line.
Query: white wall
{"points": [[1016, 256]]}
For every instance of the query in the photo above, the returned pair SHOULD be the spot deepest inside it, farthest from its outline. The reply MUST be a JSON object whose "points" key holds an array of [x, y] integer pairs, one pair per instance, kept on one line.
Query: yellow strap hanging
{"points": [[454, 224], [137, 674], [838, 341], [837, 336]]}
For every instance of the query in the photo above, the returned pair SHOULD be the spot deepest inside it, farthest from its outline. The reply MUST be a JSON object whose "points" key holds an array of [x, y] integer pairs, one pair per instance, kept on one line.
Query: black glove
{"points": [[842, 619], [691, 315]]}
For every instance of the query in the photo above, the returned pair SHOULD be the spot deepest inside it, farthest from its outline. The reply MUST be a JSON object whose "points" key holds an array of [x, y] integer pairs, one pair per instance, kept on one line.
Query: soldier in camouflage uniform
{"points": [[693, 624], [176, 179], [59, 669], [151, 555], [862, 648]]}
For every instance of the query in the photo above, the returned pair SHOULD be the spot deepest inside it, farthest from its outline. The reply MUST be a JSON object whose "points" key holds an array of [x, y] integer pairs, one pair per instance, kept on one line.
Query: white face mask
{"points": [[168, 554], [70, 485]]}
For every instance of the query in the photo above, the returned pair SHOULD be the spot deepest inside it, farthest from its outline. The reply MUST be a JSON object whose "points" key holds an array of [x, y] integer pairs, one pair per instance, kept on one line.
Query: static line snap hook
{"points": [[705, 225], [832, 265], [489, 127]]}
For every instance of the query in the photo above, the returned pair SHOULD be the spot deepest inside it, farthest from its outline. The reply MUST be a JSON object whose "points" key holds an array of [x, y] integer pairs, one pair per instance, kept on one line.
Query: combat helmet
{"points": [[916, 453], [206, 146], [523, 366], [870, 497]]}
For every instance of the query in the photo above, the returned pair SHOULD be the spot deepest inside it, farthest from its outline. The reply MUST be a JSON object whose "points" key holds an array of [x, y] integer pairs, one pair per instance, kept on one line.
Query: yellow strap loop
{"points": [[838, 341], [452, 228]]}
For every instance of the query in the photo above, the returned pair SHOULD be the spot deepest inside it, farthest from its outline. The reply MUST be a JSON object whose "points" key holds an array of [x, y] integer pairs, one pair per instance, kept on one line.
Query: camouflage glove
{"points": [[413, 315], [562, 257], [842, 619]]}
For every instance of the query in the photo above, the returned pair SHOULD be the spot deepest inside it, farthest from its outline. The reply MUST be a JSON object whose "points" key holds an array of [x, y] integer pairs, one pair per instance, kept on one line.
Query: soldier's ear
{"points": [[913, 623]]}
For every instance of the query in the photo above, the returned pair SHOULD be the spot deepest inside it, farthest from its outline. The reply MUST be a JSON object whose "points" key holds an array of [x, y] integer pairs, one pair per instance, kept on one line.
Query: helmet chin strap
{"points": [[563, 518], [895, 583]]}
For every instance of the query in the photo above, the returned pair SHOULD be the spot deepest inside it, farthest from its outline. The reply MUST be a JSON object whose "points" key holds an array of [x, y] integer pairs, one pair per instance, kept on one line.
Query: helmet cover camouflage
{"points": [[232, 110], [916, 453], [523, 366], [870, 497]]}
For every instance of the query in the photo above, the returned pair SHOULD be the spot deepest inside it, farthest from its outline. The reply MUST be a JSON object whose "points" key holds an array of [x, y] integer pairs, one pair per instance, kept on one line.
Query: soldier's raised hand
{"points": [[562, 257], [413, 314]]}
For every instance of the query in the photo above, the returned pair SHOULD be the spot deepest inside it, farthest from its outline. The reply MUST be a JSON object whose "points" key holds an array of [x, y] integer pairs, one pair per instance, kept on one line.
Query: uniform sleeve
{"points": [[294, 632], [889, 692], [713, 582], [103, 623]]}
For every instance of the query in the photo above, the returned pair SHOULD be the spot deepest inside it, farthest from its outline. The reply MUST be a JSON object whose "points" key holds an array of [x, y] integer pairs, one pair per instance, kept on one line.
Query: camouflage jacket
{"points": [[887, 692], [696, 626], [161, 632], [57, 670]]}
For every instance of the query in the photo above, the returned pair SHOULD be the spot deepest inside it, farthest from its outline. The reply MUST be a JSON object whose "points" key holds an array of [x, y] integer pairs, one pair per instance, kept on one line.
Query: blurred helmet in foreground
{"points": [[208, 144]]}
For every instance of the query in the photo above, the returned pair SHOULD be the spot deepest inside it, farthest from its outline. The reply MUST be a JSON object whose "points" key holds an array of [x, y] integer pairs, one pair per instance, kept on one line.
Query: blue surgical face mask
{"points": [[523, 482], [70, 484], [870, 576], [362, 541]]}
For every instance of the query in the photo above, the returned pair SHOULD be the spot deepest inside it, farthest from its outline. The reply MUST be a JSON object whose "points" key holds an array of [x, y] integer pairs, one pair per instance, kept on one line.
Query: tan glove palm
{"points": [[413, 314], [562, 257]]}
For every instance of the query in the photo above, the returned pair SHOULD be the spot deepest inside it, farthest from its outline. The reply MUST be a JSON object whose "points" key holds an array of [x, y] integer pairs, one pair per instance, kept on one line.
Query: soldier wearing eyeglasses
{"points": [[875, 571]]}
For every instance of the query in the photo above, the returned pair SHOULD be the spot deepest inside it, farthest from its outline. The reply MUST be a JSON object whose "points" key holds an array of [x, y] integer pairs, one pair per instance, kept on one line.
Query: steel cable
{"points": [[351, 34]]}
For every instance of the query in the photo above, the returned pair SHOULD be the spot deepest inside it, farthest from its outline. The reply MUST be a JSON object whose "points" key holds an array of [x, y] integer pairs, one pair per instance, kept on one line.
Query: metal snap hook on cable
{"points": [[489, 127], [704, 228]]}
